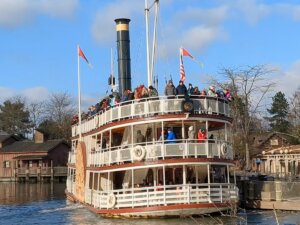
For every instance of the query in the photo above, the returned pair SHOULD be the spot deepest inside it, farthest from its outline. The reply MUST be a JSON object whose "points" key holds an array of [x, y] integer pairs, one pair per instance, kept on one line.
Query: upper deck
{"points": [[150, 107]]}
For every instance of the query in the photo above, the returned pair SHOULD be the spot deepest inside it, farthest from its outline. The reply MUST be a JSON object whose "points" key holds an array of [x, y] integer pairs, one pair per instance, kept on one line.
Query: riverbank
{"points": [[277, 194]]}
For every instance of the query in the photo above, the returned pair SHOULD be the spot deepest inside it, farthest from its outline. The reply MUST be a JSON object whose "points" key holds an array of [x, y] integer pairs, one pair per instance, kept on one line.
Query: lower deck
{"points": [[137, 189]]}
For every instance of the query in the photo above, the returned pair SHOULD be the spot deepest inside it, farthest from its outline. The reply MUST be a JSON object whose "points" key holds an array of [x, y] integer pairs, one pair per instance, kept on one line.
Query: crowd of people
{"points": [[142, 92], [181, 89]]}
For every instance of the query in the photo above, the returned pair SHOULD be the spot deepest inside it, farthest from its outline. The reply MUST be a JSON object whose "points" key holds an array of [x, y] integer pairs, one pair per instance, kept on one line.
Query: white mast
{"points": [[113, 85], [154, 39], [147, 44], [79, 94]]}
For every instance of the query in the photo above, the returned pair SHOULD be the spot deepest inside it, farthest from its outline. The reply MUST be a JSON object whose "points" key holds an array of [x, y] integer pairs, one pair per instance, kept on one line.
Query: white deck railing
{"points": [[159, 150], [71, 186], [144, 107], [162, 195]]}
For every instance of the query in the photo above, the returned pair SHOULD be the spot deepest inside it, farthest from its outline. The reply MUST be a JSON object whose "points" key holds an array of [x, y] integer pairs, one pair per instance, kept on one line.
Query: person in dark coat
{"points": [[191, 89], [139, 137], [181, 89]]}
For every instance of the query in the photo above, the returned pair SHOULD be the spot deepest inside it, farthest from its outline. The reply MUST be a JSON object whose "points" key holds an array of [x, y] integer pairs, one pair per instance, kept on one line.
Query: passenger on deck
{"points": [[196, 91], [144, 93], [190, 90], [228, 95], [220, 93], [212, 92], [201, 135], [170, 89], [103, 143], [191, 133], [111, 101], [125, 96], [203, 93], [152, 91], [171, 136], [181, 89], [148, 135], [139, 137], [163, 135]]}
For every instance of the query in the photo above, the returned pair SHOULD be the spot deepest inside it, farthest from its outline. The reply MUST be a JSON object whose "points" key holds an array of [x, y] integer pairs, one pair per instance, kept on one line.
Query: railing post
{"points": [[147, 197], [206, 148], [221, 193], [189, 194], [186, 148]]}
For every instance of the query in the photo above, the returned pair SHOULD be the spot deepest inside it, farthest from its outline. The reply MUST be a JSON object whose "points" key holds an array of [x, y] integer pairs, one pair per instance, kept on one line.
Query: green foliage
{"points": [[14, 118], [279, 111], [54, 130]]}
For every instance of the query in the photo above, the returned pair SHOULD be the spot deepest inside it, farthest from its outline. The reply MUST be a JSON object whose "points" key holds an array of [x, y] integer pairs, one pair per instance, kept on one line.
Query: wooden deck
{"points": [[40, 173]]}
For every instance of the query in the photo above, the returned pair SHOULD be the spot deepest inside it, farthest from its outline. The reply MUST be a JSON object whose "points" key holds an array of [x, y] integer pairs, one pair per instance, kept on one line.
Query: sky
{"points": [[39, 38]]}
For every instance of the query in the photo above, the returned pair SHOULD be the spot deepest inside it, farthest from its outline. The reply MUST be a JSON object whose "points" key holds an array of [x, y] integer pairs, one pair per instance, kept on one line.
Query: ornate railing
{"points": [[150, 106], [162, 195], [159, 150]]}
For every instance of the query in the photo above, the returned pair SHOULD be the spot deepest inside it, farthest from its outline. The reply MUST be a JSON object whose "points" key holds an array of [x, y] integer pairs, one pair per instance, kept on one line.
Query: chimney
{"points": [[123, 43], [39, 137]]}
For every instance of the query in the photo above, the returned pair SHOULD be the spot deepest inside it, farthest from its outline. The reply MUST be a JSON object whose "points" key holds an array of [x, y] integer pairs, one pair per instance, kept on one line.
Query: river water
{"points": [[24, 203]]}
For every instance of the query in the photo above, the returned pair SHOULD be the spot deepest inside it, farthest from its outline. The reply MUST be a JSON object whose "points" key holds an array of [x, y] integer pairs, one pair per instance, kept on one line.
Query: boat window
{"points": [[218, 174]]}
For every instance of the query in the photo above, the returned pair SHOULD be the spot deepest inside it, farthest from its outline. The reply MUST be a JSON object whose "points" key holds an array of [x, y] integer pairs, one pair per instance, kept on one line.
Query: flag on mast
{"points": [[186, 53], [81, 54], [182, 73]]}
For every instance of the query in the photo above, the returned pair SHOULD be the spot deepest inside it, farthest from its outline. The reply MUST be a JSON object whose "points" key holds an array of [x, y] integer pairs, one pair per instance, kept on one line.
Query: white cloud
{"points": [[213, 16], [194, 29], [288, 81], [252, 10], [289, 10], [34, 94], [103, 27], [14, 13]]}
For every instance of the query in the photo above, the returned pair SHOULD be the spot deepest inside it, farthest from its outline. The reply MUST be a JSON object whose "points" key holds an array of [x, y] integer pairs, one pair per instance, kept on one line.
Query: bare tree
{"points": [[294, 116], [295, 106], [37, 113], [59, 112], [249, 88]]}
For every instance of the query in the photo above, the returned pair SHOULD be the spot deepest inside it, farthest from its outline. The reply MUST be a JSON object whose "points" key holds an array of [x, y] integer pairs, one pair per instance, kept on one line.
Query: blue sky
{"points": [[39, 39]]}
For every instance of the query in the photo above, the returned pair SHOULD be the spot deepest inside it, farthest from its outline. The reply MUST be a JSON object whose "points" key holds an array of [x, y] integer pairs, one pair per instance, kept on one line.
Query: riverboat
{"points": [[122, 164]]}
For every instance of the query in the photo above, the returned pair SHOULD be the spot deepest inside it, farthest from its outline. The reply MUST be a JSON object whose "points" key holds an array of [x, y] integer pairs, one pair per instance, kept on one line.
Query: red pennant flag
{"points": [[185, 53], [80, 53]]}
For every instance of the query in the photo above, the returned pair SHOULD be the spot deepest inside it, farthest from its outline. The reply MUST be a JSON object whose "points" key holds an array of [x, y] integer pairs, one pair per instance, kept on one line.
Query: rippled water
{"points": [[46, 204]]}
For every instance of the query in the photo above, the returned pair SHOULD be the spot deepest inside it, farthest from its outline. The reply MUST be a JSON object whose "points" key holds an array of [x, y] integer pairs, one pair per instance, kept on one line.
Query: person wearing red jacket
{"points": [[201, 136]]}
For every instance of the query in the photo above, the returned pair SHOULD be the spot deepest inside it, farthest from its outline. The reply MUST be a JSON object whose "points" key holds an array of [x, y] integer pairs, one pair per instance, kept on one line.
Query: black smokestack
{"points": [[123, 42]]}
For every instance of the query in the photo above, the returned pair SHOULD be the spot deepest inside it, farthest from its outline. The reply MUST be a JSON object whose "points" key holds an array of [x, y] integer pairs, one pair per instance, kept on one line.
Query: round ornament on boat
{"points": [[138, 153], [187, 106], [111, 200], [224, 149]]}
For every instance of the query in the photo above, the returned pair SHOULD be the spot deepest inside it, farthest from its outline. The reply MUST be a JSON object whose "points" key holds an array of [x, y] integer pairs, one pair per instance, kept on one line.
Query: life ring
{"points": [[224, 149], [138, 152], [111, 200]]}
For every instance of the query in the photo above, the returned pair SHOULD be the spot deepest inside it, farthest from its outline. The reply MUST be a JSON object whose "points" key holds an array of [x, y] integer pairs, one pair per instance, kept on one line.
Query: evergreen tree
{"points": [[14, 118], [279, 111]]}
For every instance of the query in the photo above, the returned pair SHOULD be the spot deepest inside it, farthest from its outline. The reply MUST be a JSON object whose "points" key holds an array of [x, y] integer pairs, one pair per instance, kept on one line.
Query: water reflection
{"points": [[27, 204], [19, 193]]}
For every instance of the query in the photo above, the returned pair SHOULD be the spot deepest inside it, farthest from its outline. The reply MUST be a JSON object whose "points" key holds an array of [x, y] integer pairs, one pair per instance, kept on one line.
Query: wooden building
{"points": [[38, 159], [276, 154]]}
